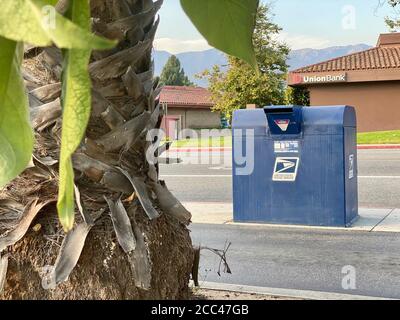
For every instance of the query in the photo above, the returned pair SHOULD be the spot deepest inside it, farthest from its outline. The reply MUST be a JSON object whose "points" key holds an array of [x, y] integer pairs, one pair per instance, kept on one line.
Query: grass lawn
{"points": [[382, 137], [203, 143]]}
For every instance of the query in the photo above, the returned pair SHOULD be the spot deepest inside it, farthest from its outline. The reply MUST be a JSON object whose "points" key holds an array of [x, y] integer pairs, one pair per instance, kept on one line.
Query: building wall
{"points": [[196, 118], [179, 113], [377, 103], [202, 118]]}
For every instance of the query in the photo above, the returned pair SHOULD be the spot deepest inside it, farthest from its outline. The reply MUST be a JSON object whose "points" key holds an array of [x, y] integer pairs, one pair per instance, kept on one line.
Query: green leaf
{"points": [[228, 25], [36, 22], [16, 136], [76, 102]]}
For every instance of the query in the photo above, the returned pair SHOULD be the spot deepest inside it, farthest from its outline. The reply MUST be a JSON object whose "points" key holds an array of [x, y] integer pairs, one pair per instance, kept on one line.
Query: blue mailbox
{"points": [[295, 165]]}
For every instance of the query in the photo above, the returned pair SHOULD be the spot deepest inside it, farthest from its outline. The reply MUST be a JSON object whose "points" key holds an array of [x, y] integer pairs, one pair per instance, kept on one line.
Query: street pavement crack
{"points": [[383, 219]]}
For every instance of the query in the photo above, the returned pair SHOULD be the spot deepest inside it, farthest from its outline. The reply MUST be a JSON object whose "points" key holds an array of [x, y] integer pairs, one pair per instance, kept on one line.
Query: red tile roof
{"points": [[375, 58], [385, 56], [389, 39], [186, 96]]}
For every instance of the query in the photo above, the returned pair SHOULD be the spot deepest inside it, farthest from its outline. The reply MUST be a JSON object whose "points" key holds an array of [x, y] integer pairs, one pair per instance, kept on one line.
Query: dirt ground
{"points": [[206, 294]]}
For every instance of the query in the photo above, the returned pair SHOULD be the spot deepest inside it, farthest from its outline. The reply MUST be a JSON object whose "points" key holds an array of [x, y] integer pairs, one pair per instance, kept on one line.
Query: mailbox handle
{"points": [[278, 110]]}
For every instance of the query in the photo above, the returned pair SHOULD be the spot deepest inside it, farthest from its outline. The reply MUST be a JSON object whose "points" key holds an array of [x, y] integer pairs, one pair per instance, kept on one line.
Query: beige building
{"points": [[187, 108], [368, 80]]}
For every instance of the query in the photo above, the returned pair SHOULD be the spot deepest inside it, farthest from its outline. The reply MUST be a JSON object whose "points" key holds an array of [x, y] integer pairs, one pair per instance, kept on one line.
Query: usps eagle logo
{"points": [[286, 169]]}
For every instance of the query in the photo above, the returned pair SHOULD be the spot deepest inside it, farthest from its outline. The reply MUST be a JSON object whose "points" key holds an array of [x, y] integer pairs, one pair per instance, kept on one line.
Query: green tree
{"points": [[80, 146], [173, 74], [299, 96], [240, 84], [394, 21]]}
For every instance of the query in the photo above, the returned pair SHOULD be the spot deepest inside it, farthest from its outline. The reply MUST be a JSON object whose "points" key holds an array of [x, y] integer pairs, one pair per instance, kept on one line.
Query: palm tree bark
{"points": [[131, 239]]}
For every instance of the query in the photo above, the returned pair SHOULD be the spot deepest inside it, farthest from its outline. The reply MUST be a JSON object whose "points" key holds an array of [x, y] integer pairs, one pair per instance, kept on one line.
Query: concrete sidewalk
{"points": [[370, 220]]}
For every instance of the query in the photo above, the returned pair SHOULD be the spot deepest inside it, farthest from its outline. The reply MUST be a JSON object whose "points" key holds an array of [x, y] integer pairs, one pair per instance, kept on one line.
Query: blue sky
{"points": [[306, 24]]}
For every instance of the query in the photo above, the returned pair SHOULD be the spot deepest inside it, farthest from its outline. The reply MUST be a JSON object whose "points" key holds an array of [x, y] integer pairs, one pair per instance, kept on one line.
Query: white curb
{"points": [[287, 293]]}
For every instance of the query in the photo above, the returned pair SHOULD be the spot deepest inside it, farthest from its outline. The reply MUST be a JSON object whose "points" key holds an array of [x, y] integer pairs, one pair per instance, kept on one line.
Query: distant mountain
{"points": [[305, 57], [196, 62]]}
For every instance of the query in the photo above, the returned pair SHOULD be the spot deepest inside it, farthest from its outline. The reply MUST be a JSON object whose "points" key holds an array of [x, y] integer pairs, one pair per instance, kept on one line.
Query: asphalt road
{"points": [[379, 183], [302, 259]]}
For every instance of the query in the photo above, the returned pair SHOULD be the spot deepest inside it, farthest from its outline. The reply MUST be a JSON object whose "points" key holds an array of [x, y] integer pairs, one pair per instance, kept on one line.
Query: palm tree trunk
{"points": [[148, 255]]}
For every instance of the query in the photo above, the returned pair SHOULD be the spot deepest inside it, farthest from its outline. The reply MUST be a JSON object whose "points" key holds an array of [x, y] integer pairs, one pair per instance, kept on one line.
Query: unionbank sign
{"points": [[326, 78]]}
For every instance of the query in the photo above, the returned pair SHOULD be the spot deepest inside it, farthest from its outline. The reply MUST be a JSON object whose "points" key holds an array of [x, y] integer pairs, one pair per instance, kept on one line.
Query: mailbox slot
{"points": [[284, 120]]}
